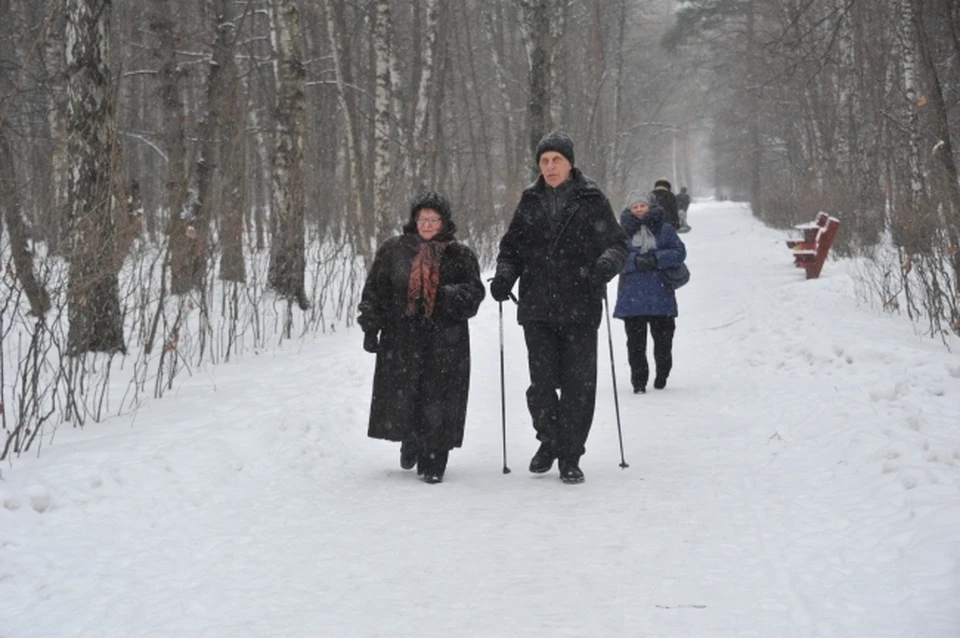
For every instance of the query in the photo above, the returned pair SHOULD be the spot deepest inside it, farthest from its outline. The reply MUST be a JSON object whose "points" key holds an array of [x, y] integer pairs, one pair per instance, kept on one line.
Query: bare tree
{"points": [[383, 123], [99, 230], [287, 252], [13, 216], [537, 17], [10, 197], [225, 124]]}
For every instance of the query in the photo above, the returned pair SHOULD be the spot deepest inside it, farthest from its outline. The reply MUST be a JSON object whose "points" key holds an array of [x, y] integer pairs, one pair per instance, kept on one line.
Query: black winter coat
{"points": [[557, 260], [422, 377], [668, 202]]}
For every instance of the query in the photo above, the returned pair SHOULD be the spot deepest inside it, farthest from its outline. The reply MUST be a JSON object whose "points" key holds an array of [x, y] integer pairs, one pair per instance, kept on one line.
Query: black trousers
{"points": [[661, 329], [563, 384]]}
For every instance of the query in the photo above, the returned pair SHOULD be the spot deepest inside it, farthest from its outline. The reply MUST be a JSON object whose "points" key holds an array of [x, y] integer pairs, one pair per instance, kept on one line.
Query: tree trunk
{"points": [[180, 226], [362, 224], [535, 26], [22, 258], [420, 145], [96, 322], [753, 124], [382, 175], [287, 250], [54, 227], [495, 38], [944, 170], [232, 169]]}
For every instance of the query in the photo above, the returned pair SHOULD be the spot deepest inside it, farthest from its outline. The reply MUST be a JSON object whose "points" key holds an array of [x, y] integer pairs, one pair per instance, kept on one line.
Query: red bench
{"points": [[811, 252], [809, 230]]}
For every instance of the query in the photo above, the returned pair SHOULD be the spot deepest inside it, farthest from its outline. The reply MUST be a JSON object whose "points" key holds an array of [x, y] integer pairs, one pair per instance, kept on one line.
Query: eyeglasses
{"points": [[429, 221]]}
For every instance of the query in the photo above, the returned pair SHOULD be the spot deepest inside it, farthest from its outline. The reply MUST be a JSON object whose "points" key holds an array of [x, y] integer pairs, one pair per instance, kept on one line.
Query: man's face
{"points": [[555, 168]]}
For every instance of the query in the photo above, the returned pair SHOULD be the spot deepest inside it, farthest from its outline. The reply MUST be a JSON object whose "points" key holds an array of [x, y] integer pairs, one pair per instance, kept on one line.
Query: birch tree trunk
{"points": [[535, 27], [96, 323], [910, 93], [287, 250], [53, 59], [382, 174], [420, 144], [846, 99], [557, 25]]}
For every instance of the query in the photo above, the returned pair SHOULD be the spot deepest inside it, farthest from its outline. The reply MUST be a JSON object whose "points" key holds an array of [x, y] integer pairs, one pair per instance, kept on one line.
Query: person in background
{"points": [[665, 199], [420, 291], [564, 245], [643, 298], [683, 203]]}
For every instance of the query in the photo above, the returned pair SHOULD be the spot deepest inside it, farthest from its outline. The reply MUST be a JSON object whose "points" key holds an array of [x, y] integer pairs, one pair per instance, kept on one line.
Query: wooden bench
{"points": [[809, 230], [811, 252]]}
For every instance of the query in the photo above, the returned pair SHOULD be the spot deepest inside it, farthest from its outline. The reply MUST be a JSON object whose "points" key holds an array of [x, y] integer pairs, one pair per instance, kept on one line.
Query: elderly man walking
{"points": [[564, 244]]}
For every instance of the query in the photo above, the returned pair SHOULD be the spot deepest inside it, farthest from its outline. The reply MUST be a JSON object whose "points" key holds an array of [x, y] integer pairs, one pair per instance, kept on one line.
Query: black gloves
{"points": [[370, 342], [500, 288], [645, 262], [603, 271]]}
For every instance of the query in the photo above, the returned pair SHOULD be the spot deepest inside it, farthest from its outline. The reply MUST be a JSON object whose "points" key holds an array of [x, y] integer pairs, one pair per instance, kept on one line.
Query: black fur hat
{"points": [[662, 183], [436, 201], [556, 141]]}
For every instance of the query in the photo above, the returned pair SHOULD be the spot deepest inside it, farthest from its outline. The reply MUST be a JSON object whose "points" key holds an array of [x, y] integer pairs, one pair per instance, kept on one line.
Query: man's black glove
{"points": [[370, 342], [603, 272], [500, 288], [645, 262]]}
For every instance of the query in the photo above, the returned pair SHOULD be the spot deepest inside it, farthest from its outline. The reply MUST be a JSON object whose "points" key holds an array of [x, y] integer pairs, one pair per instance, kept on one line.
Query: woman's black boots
{"points": [[432, 465]]}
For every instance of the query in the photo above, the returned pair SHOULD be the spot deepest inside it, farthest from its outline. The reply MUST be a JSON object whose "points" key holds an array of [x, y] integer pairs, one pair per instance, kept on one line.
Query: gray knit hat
{"points": [[639, 196], [556, 141]]}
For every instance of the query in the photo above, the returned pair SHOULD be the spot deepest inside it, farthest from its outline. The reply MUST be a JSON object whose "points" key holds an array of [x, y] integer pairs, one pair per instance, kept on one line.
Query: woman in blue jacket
{"points": [[643, 298]]}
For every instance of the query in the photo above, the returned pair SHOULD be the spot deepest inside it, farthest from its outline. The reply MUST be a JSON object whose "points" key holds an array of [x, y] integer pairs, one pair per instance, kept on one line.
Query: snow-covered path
{"points": [[800, 476]]}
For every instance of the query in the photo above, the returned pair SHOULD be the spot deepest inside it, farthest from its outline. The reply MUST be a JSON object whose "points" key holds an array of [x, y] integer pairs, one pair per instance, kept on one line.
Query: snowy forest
{"points": [[184, 183]]}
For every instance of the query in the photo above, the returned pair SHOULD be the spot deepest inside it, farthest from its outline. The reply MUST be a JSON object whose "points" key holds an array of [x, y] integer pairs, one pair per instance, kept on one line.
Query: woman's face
{"points": [[429, 223], [639, 209]]}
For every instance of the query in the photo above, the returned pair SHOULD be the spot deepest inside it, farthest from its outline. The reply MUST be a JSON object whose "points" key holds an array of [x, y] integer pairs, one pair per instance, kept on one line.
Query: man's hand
{"points": [[603, 272], [500, 288]]}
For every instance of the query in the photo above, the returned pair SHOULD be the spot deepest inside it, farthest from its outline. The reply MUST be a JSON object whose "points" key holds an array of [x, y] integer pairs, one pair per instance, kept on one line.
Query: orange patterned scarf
{"points": [[425, 277]]}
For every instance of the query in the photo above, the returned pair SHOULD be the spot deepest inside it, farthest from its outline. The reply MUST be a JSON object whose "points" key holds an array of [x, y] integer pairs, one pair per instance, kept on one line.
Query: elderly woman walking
{"points": [[420, 291], [643, 297]]}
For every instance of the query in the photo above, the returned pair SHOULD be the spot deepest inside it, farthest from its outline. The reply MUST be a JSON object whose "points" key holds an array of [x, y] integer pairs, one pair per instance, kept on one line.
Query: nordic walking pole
{"points": [[613, 372], [503, 395]]}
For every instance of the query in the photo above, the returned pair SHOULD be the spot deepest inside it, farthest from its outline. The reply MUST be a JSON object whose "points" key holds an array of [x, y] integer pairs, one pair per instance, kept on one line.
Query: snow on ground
{"points": [[799, 476]]}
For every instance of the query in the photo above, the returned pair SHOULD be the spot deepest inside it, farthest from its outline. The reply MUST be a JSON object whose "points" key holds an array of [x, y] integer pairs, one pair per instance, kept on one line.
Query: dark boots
{"points": [[432, 465], [542, 461], [408, 455], [570, 471]]}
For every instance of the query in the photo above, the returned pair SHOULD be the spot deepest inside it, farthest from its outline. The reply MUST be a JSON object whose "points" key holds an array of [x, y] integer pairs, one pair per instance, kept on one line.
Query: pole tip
{"points": [[506, 470]]}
